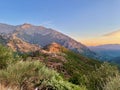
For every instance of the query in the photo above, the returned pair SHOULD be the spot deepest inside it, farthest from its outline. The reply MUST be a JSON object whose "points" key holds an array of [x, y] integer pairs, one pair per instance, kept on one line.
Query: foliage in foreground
{"points": [[29, 75], [6, 57], [113, 83], [98, 79]]}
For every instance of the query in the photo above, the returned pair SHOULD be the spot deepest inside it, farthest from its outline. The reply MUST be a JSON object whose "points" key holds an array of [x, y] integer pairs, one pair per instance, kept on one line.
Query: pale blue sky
{"points": [[76, 18]]}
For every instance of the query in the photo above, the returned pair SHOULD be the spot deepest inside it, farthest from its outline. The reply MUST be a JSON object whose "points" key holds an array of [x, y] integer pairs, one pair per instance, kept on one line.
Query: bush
{"points": [[6, 57], [113, 83], [98, 78], [29, 75]]}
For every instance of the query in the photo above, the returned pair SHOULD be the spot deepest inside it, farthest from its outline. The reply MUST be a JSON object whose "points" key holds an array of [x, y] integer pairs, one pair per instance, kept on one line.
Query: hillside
{"points": [[64, 61]]}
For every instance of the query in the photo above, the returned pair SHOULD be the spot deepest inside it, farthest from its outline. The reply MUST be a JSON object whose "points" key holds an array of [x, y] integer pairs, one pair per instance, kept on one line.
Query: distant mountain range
{"points": [[110, 51], [39, 36]]}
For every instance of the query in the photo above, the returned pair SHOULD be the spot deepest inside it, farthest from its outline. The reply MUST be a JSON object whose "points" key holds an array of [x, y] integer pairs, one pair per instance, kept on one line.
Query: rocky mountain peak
{"points": [[26, 26]]}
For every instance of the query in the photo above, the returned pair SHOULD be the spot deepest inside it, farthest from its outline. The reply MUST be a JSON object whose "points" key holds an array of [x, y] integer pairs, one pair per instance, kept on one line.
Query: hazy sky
{"points": [[80, 19]]}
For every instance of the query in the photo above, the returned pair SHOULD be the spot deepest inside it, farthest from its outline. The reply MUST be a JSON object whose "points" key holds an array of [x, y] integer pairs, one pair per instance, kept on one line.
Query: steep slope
{"points": [[44, 36], [19, 45], [16, 44]]}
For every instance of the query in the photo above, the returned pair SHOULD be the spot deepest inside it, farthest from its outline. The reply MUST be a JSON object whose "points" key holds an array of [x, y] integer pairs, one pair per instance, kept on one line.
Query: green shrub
{"points": [[6, 57], [113, 83], [98, 78], [28, 75]]}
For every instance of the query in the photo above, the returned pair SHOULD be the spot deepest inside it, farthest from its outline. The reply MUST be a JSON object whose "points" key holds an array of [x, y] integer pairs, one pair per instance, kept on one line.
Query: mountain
{"points": [[42, 36], [109, 51], [54, 49], [5, 28]]}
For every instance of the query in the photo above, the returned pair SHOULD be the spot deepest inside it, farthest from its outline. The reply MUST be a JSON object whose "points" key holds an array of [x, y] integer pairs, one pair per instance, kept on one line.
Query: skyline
{"points": [[84, 20], [108, 38]]}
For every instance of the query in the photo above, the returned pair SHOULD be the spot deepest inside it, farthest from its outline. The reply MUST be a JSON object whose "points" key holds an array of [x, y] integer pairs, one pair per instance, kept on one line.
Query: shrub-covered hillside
{"points": [[28, 75], [69, 64], [75, 72]]}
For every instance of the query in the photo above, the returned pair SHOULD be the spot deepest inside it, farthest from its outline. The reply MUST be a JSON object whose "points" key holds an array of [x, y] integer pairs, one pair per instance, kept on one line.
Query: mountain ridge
{"points": [[43, 36]]}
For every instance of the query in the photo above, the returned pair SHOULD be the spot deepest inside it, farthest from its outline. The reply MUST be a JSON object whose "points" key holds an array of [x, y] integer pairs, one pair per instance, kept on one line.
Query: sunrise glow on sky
{"points": [[87, 21]]}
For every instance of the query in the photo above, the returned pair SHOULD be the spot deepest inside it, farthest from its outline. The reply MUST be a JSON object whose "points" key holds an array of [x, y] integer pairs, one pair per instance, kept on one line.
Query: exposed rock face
{"points": [[53, 48], [19, 45], [16, 44], [43, 36], [26, 26]]}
